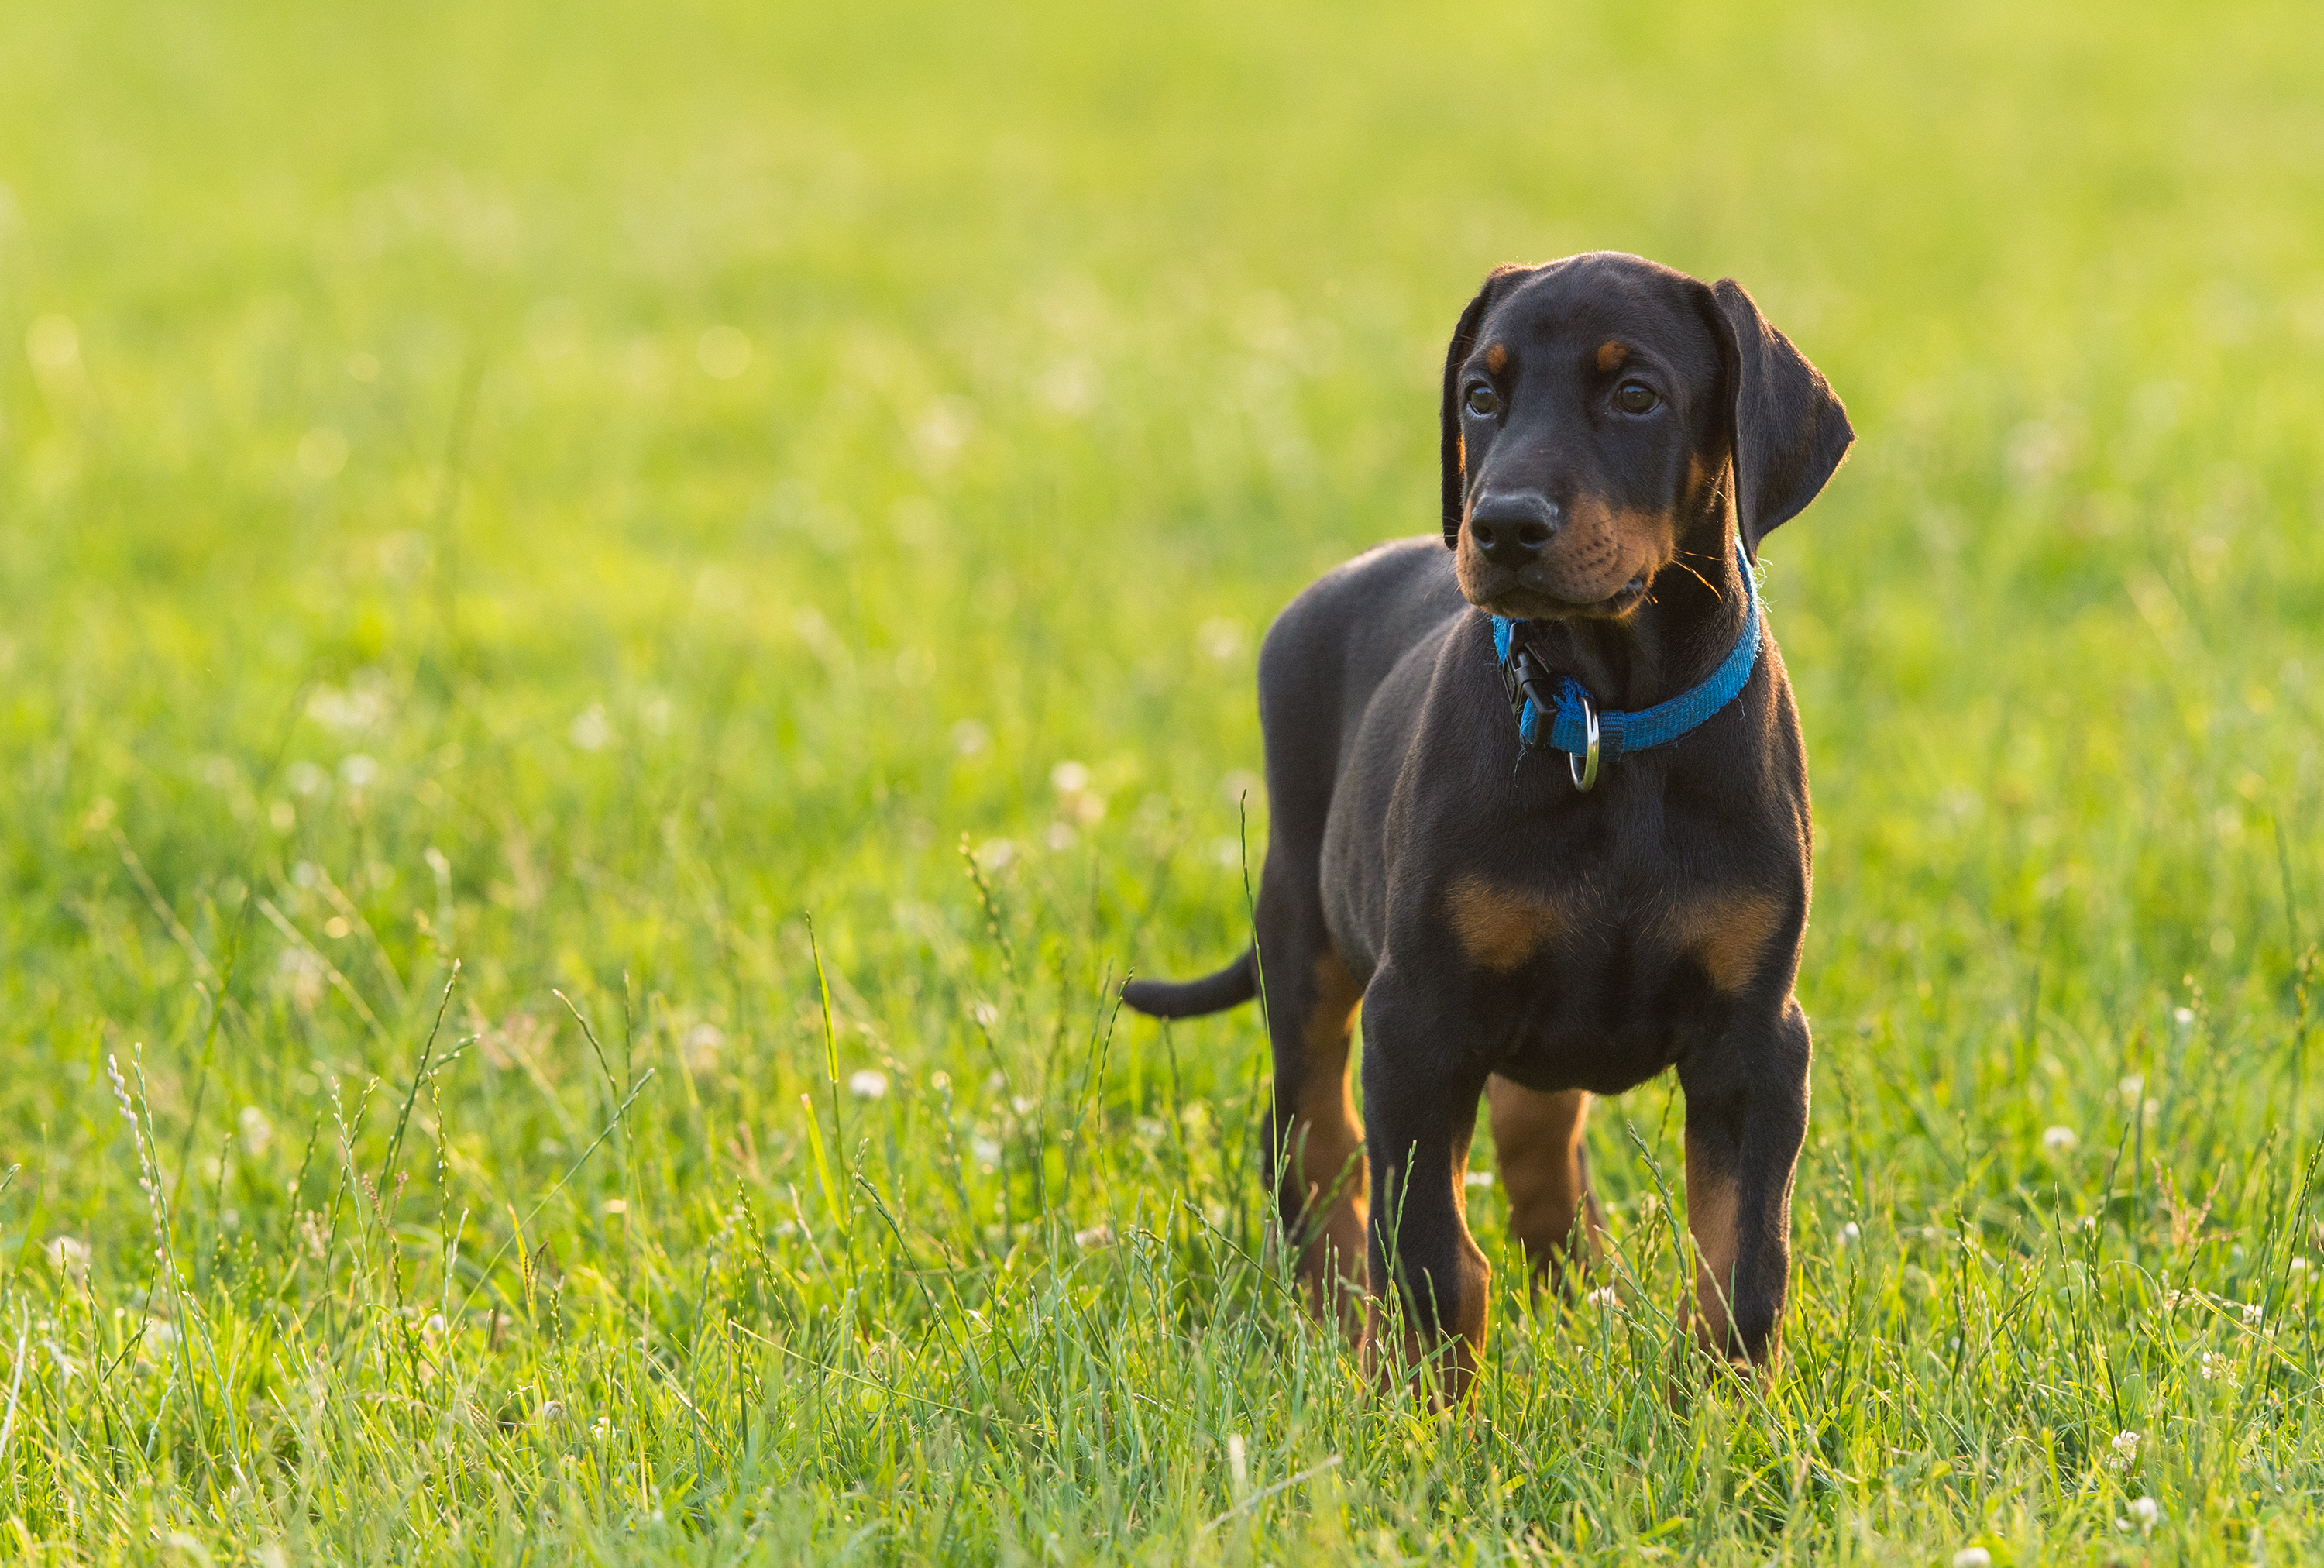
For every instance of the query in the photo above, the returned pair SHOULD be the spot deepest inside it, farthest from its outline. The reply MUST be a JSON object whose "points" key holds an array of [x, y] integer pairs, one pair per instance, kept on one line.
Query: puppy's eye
{"points": [[1635, 397], [1482, 401]]}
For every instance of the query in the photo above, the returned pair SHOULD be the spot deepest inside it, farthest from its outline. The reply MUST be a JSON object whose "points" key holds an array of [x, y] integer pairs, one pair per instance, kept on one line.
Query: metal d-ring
{"points": [[1583, 769]]}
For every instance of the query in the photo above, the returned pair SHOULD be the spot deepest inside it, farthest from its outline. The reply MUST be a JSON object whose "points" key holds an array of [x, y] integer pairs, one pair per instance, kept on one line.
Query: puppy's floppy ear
{"points": [[1790, 429], [1452, 458]]}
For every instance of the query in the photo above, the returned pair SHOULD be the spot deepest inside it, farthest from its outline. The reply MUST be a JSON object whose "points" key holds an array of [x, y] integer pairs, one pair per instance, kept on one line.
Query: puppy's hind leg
{"points": [[1315, 1145], [1537, 1144]]}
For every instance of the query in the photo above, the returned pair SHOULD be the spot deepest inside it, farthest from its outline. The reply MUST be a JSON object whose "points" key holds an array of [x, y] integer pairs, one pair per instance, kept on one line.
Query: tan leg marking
{"points": [[1327, 1148], [1500, 928], [1729, 932], [1538, 1142], [1711, 1202]]}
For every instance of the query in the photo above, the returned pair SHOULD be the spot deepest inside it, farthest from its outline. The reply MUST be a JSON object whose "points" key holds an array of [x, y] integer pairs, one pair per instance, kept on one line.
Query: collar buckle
{"points": [[1584, 769]]}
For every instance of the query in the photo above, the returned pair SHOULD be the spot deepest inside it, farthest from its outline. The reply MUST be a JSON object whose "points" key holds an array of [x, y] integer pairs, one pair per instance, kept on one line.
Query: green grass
{"points": [[403, 561]]}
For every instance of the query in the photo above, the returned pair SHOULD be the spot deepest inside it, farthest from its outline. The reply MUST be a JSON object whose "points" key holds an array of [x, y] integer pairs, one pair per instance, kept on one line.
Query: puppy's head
{"points": [[1604, 415]]}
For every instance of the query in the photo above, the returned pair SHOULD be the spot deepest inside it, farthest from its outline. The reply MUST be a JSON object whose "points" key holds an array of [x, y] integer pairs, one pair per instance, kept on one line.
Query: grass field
{"points": [[509, 512]]}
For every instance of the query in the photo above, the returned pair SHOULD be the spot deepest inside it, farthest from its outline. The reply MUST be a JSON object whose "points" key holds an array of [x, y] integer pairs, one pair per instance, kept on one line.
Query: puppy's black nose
{"points": [[1510, 529]]}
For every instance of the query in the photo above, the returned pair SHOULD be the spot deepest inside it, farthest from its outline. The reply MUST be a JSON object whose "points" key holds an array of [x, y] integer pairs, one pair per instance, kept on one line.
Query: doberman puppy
{"points": [[1618, 439]]}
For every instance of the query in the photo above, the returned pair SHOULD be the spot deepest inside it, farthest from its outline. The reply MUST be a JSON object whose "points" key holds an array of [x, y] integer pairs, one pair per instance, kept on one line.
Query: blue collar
{"points": [[1572, 709]]}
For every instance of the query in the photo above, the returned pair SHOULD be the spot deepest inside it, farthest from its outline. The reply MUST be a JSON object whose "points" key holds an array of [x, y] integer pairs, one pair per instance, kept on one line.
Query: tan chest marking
{"points": [[1500, 928], [1729, 932]]}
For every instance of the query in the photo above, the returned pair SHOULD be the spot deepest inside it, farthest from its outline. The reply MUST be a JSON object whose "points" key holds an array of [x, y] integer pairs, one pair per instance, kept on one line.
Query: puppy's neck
{"points": [[1694, 611]]}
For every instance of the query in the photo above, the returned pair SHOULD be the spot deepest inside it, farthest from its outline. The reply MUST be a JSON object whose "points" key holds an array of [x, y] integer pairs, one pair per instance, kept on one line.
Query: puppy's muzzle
{"points": [[1512, 527]]}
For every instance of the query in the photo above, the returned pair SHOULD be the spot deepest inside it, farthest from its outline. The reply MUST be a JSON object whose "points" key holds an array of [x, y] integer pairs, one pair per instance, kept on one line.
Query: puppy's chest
{"points": [[1645, 925]]}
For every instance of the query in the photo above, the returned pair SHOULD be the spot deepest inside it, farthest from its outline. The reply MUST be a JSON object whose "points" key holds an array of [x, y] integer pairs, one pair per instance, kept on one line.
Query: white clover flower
{"points": [[1604, 1296], [1096, 1236], [1220, 639], [1972, 1557], [1850, 1235], [2147, 1512], [701, 1045], [2060, 1139], [591, 730], [869, 1083]]}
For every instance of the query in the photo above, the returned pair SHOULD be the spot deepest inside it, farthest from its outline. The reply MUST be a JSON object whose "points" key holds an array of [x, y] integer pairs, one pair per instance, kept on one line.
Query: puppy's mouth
{"points": [[1499, 592]]}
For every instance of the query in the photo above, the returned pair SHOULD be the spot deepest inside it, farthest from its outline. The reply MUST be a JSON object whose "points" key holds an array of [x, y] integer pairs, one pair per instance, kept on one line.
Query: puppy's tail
{"points": [[1232, 986]]}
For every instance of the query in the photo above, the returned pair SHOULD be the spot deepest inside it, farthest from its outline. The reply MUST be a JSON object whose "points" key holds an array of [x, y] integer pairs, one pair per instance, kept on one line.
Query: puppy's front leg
{"points": [[1747, 1115], [1420, 1107]]}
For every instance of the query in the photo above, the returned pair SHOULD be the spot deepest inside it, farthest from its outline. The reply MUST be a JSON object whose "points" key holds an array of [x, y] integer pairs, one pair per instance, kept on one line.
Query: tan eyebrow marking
{"points": [[1611, 352], [1497, 357]]}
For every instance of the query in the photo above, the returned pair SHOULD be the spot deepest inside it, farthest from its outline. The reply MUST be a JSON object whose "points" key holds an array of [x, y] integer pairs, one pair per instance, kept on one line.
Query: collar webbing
{"points": [[1623, 732]]}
